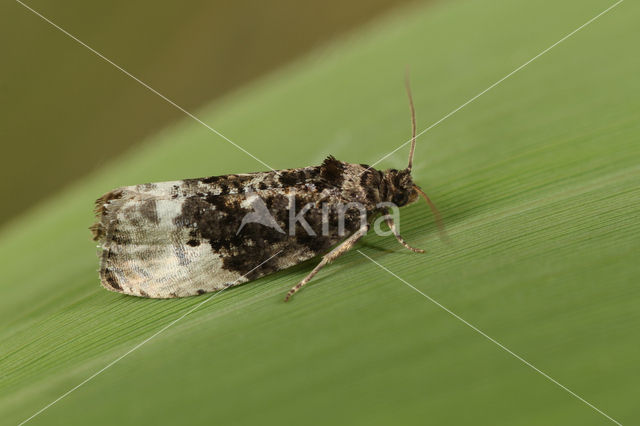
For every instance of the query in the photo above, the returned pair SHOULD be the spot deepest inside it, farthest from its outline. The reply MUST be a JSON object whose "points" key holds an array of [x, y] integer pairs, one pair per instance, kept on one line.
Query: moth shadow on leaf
{"points": [[378, 247], [335, 270]]}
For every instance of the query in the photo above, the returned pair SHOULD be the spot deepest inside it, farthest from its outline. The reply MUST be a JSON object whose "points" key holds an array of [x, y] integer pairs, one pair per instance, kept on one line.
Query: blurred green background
{"points": [[65, 112], [538, 181]]}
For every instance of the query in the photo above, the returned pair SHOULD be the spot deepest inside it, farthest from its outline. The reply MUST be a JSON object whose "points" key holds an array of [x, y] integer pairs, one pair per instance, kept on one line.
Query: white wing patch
{"points": [[146, 254]]}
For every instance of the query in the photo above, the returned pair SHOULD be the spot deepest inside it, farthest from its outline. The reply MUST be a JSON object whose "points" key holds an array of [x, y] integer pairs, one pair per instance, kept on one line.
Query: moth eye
{"points": [[400, 199]]}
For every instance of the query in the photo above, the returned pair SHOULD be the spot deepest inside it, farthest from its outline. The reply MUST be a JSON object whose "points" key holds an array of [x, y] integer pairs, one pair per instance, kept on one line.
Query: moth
{"points": [[193, 236]]}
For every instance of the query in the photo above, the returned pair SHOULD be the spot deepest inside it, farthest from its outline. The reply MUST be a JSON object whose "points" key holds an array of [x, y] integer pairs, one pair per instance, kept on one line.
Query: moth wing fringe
{"points": [[100, 210]]}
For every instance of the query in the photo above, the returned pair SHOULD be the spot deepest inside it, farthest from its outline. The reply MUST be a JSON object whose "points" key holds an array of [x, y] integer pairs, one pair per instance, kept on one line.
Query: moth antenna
{"points": [[407, 85], [436, 213]]}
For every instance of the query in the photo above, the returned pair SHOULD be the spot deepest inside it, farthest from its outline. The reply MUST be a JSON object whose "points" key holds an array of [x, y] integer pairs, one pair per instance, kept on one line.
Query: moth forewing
{"points": [[182, 238]]}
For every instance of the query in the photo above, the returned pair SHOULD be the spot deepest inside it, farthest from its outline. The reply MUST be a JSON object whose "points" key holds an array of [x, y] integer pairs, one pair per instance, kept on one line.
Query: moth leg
{"points": [[401, 240], [344, 247]]}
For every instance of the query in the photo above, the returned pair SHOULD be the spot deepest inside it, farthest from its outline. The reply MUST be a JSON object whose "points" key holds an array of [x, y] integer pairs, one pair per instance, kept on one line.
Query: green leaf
{"points": [[538, 181]]}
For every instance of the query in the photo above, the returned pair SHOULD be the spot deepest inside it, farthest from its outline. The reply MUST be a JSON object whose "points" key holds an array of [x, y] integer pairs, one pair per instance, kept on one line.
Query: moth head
{"points": [[400, 187], [401, 190]]}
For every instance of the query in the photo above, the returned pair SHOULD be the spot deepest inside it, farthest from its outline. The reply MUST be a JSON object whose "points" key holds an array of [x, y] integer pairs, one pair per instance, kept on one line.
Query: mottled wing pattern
{"points": [[176, 239]]}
